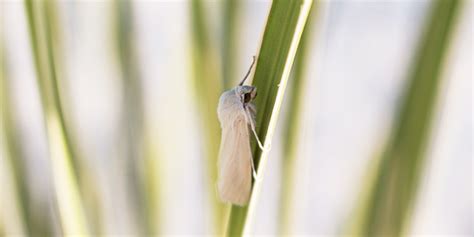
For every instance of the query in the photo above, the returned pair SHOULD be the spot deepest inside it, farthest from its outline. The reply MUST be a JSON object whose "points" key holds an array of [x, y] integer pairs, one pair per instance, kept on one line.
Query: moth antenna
{"points": [[248, 72]]}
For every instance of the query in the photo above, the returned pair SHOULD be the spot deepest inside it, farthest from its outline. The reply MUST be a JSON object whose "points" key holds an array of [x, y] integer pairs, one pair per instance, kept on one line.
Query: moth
{"points": [[236, 114]]}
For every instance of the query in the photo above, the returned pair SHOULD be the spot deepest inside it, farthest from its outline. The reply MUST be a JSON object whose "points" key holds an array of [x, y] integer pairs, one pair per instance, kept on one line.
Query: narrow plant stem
{"points": [[229, 38], [303, 16], [292, 125], [12, 211], [138, 152], [394, 191], [153, 188], [285, 25], [207, 89], [68, 197], [35, 213], [12, 172]]}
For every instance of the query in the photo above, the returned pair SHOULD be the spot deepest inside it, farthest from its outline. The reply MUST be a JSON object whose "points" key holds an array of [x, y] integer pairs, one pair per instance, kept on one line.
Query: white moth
{"points": [[236, 114]]}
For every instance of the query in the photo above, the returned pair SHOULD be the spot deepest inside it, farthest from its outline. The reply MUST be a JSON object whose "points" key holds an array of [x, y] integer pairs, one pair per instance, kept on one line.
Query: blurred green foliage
{"points": [[65, 164], [207, 90], [292, 127], [285, 39], [138, 154], [392, 198]]}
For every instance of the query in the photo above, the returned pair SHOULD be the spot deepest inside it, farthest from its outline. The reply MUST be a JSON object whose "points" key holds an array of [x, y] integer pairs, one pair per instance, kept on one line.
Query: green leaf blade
{"points": [[393, 194], [281, 38]]}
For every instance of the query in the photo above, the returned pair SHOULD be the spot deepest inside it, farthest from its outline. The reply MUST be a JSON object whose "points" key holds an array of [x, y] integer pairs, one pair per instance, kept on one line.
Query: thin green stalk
{"points": [[34, 213], [207, 89], [140, 160], [69, 200], [229, 42], [391, 199], [285, 25], [292, 124], [85, 178], [153, 188], [10, 156]]}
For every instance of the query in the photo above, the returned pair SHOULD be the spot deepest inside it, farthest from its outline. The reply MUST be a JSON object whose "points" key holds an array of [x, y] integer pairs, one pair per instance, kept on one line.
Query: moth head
{"points": [[246, 93]]}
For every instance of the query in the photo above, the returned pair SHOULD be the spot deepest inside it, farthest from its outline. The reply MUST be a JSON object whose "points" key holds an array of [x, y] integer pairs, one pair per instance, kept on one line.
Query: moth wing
{"points": [[235, 155]]}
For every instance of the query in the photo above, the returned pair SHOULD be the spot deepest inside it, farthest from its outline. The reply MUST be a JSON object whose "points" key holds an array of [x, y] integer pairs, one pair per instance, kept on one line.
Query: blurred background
{"points": [[109, 122]]}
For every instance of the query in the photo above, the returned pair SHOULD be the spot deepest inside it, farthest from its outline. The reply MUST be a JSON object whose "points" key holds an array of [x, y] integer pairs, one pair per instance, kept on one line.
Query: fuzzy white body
{"points": [[235, 154]]}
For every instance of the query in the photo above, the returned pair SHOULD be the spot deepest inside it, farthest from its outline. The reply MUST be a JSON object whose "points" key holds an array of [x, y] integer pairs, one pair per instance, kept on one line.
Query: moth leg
{"points": [[252, 127], [254, 172], [252, 110]]}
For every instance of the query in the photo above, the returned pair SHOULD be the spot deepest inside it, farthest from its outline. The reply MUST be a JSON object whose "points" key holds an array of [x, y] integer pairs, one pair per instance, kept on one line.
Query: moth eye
{"points": [[247, 97]]}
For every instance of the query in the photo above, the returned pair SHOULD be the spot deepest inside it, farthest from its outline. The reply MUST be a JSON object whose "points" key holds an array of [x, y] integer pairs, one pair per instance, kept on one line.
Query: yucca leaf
{"points": [[207, 87], [285, 25], [12, 164], [42, 28], [137, 149], [229, 42], [292, 124], [392, 197]]}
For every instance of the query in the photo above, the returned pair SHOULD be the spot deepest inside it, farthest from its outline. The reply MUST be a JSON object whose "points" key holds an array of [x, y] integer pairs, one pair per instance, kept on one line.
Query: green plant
{"points": [[231, 10], [292, 123], [389, 203], [207, 90], [139, 153], [44, 41], [281, 38], [12, 163]]}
